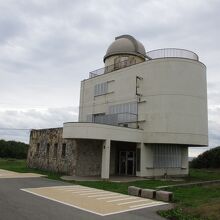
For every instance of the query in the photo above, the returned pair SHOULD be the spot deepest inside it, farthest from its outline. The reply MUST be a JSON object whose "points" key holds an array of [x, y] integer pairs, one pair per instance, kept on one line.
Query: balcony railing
{"points": [[172, 52], [113, 67], [118, 119], [153, 54]]}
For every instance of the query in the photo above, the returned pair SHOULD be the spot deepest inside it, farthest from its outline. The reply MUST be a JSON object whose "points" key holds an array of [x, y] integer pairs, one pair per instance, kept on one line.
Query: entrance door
{"points": [[126, 162]]}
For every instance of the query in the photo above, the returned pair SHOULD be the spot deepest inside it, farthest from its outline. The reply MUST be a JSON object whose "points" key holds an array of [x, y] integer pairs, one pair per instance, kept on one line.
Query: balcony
{"points": [[151, 55], [172, 53], [113, 67]]}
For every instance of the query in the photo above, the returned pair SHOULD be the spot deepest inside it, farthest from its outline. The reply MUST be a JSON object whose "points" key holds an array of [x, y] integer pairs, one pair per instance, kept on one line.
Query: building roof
{"points": [[126, 44]]}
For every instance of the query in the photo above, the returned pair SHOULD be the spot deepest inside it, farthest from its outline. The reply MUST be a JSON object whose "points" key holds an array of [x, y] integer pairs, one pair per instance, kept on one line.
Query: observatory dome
{"points": [[126, 44]]}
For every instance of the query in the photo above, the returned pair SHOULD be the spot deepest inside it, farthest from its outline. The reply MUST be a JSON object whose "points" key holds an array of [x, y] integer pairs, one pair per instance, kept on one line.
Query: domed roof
{"points": [[126, 44]]}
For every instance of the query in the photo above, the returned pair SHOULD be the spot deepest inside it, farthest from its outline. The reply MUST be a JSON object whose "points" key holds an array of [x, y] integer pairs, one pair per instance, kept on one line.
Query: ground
{"points": [[190, 201]]}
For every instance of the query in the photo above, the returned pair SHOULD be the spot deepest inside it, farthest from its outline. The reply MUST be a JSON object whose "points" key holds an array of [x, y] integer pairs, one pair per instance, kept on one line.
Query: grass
{"points": [[20, 166], [192, 203]]}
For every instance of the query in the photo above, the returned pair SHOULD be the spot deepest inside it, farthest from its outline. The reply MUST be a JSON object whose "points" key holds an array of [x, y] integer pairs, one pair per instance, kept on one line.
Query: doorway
{"points": [[127, 163]]}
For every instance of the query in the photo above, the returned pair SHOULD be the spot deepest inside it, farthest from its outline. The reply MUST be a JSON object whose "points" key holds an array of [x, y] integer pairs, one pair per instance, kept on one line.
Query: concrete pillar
{"points": [[185, 162], [146, 160], [106, 159]]}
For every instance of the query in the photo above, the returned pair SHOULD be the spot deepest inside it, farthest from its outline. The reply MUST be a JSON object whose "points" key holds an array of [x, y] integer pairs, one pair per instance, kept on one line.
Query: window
{"points": [[127, 112], [99, 118], [48, 150], [130, 107], [63, 150], [167, 156], [55, 150], [38, 149], [101, 89]]}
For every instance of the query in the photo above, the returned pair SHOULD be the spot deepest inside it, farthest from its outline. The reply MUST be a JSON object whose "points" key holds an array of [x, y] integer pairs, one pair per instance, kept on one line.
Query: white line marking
{"points": [[74, 206], [93, 193], [82, 191], [133, 209], [73, 188], [101, 195], [123, 203], [111, 197], [63, 187], [125, 198], [150, 205], [81, 188]]}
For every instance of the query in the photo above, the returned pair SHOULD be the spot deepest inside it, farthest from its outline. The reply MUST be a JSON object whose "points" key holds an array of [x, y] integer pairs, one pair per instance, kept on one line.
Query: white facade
{"points": [[158, 103]]}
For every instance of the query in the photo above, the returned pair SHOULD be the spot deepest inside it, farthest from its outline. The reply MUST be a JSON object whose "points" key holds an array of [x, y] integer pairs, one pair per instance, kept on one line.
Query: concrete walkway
{"points": [[117, 179], [10, 174]]}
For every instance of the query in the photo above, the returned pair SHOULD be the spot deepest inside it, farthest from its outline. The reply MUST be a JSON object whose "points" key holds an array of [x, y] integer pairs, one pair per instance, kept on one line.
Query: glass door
{"points": [[126, 163]]}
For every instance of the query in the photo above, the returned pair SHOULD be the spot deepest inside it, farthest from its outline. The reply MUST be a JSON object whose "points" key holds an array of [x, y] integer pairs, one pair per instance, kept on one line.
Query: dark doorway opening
{"points": [[123, 158]]}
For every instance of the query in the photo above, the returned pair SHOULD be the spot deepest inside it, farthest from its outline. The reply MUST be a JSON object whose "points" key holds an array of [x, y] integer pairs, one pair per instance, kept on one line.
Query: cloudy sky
{"points": [[48, 46]]}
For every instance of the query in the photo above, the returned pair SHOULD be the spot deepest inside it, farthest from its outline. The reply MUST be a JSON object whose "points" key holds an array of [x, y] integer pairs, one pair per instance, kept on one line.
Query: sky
{"points": [[48, 46]]}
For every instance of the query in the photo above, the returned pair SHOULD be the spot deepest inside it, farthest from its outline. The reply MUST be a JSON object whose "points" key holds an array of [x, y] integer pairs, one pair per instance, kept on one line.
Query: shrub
{"points": [[13, 149], [208, 159]]}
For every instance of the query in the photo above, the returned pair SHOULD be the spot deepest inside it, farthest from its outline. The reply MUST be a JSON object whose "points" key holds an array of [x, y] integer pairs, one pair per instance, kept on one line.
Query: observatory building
{"points": [[138, 116]]}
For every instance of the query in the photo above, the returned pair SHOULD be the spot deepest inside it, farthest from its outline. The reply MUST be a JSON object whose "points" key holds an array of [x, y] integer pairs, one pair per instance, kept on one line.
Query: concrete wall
{"points": [[173, 102]]}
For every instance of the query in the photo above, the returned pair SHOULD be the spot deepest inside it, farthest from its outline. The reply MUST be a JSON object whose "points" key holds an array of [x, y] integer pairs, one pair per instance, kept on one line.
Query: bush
{"points": [[208, 159], [13, 149]]}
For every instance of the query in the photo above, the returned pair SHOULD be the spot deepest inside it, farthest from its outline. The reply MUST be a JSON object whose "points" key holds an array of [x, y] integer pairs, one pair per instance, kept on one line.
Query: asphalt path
{"points": [[19, 205]]}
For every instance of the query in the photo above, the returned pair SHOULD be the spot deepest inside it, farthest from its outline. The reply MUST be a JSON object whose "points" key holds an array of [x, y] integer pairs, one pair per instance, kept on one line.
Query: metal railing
{"points": [[113, 67], [153, 54], [116, 119], [172, 52]]}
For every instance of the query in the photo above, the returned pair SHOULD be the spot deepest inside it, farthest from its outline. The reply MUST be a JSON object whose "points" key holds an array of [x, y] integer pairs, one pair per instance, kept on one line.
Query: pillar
{"points": [[146, 160], [105, 159]]}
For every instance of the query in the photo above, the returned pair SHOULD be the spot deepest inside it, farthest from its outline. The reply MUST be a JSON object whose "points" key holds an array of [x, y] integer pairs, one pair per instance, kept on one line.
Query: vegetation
{"points": [[13, 149], [21, 167], [208, 159]]}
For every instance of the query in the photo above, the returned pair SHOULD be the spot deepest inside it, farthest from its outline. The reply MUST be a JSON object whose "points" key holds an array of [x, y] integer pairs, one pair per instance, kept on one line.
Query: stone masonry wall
{"points": [[89, 157], [82, 157], [42, 158]]}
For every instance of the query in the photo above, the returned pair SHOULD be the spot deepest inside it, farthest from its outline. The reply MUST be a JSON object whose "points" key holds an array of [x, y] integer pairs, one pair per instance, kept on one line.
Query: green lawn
{"points": [[193, 203], [20, 166]]}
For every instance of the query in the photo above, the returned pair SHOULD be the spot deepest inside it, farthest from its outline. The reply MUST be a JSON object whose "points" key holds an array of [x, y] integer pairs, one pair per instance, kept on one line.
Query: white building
{"points": [[145, 108]]}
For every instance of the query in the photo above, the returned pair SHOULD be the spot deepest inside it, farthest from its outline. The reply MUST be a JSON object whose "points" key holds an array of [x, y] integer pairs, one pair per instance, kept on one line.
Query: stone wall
{"points": [[82, 157], [89, 157]]}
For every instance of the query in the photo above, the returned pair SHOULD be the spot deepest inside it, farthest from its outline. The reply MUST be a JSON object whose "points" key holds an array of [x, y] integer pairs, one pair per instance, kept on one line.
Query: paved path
{"points": [[4, 174], [20, 205]]}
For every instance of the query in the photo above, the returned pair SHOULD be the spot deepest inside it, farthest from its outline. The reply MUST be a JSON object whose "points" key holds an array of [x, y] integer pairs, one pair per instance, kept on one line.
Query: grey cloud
{"points": [[32, 119], [41, 118], [48, 46]]}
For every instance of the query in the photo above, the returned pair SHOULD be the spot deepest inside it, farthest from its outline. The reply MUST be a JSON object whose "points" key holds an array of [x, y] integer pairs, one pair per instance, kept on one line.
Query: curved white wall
{"points": [[176, 101]]}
